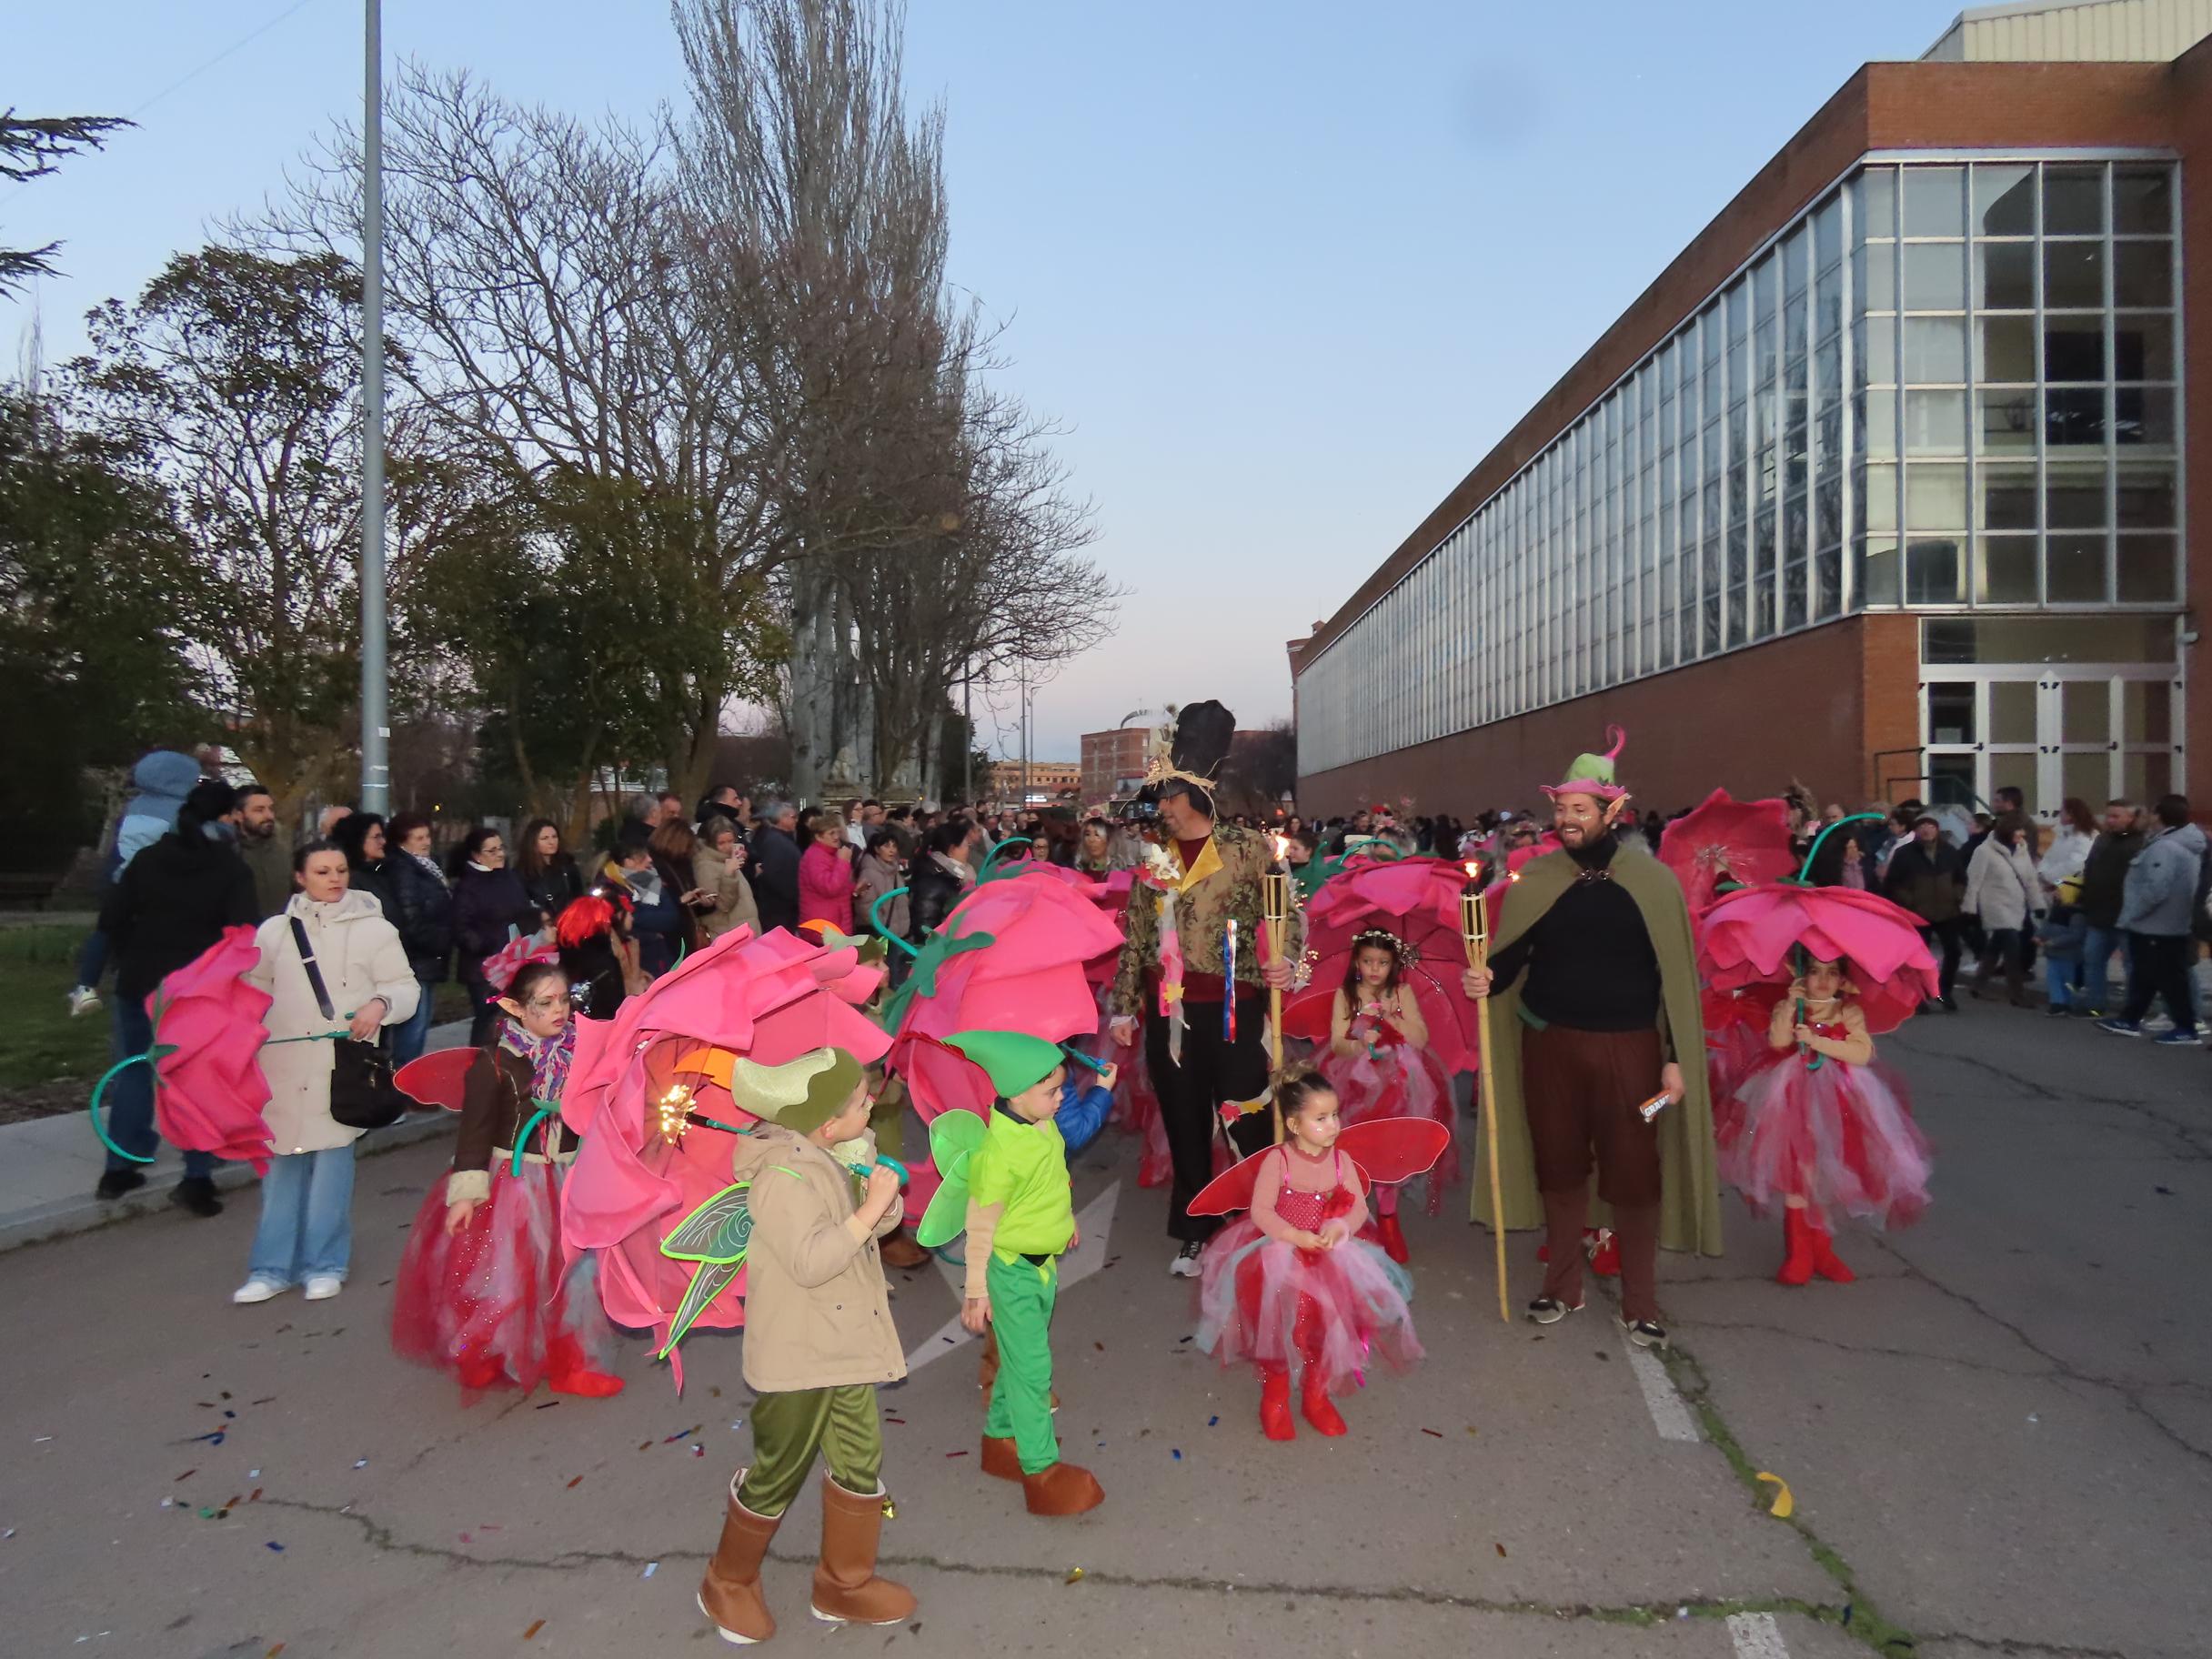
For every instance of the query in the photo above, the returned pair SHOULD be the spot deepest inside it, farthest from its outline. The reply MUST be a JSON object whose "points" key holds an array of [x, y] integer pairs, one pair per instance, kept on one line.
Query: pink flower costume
{"points": [[1396, 1079]]}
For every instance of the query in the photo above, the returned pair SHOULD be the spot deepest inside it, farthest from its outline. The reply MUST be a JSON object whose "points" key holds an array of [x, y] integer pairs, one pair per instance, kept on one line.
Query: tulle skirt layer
{"points": [[1333, 1312], [1841, 1135], [1402, 1082]]}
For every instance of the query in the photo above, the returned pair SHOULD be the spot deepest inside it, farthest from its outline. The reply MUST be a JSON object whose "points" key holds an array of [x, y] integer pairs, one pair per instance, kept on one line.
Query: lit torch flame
{"points": [[1281, 844], [1473, 870]]}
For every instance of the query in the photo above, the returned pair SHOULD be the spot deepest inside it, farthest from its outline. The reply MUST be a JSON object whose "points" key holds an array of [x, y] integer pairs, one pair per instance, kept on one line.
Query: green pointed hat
{"points": [[1593, 774], [801, 1094], [1013, 1061]]}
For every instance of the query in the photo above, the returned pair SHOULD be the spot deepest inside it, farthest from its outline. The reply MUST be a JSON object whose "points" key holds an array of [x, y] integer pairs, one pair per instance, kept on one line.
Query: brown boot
{"points": [[731, 1592], [846, 1588], [1001, 1459], [899, 1250], [1062, 1489]]}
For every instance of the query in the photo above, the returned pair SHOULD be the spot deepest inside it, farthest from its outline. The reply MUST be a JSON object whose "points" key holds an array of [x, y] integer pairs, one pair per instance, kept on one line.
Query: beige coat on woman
{"points": [[360, 957]]}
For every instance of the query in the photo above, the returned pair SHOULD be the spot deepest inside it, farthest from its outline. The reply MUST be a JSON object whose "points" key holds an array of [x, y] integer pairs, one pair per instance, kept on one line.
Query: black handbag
{"points": [[362, 1093]]}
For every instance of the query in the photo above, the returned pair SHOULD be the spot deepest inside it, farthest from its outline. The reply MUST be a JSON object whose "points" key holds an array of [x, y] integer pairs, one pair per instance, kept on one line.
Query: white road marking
{"points": [[1757, 1636], [1093, 1228], [1669, 1415]]}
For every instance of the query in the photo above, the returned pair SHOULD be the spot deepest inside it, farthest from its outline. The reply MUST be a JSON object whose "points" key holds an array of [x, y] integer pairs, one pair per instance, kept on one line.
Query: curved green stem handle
{"points": [[546, 1109], [991, 858], [875, 921], [100, 1088], [1804, 877]]}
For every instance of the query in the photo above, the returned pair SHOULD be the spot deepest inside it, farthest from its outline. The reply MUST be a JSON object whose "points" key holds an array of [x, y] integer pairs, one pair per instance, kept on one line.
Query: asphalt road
{"points": [[1999, 1441]]}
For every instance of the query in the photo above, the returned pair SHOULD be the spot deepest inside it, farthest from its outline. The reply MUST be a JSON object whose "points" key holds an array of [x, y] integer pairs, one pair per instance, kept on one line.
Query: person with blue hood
{"points": [[162, 780]]}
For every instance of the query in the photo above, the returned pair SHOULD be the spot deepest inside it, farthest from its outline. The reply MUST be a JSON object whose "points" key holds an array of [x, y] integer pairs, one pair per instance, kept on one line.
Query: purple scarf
{"points": [[549, 1058]]}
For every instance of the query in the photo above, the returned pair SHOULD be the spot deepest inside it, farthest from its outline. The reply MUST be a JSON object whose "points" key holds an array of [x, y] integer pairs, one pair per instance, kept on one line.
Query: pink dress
{"points": [[1264, 1301], [1397, 1079]]}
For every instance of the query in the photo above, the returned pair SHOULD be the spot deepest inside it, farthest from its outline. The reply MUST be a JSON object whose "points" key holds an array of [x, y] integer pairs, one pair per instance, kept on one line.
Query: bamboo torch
{"points": [[1474, 933], [1275, 911]]}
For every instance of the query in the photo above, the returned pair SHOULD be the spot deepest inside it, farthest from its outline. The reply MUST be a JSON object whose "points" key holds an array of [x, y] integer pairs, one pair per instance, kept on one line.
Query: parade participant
{"points": [[1292, 1287], [1204, 1039], [1596, 974], [598, 951], [819, 1339], [1824, 1128], [1379, 1066], [485, 1293]]}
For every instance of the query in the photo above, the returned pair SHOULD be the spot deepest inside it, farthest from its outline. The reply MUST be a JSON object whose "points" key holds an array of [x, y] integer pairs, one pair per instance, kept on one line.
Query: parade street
{"points": [[1998, 1441]]}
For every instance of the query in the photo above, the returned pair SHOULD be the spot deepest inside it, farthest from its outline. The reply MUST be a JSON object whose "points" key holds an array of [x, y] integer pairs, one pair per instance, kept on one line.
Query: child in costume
{"points": [[1290, 1286], [1020, 1219], [819, 1339], [1823, 1127], [1379, 1064], [485, 1292]]}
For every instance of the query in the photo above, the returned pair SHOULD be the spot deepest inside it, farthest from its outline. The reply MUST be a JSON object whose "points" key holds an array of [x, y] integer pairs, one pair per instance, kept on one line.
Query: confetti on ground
{"points": [[265, 1399], [739, 1422], [1075, 1576], [714, 1392], [276, 1546], [956, 1454], [273, 1652], [547, 1406], [683, 1435], [253, 1474], [1784, 1503], [1182, 1339], [899, 1420], [1178, 1453], [1471, 1428], [1501, 1549], [466, 1539], [167, 1502], [698, 1450], [256, 1496], [1100, 1347], [1439, 1433], [215, 1439], [535, 1625], [651, 1567], [572, 1484], [1213, 1422], [190, 1473], [360, 1463]]}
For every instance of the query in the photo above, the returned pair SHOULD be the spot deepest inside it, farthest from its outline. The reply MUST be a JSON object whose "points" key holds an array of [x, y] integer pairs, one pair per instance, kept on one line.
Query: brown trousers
{"points": [[1582, 1090]]}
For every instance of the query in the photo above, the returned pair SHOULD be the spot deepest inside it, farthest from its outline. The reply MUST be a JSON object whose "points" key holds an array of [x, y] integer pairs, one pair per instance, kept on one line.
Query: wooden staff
{"points": [[1275, 910], [1474, 933]]}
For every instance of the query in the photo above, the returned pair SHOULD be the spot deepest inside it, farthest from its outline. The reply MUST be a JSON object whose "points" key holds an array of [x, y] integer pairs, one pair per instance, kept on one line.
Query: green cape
{"points": [[1690, 1196]]}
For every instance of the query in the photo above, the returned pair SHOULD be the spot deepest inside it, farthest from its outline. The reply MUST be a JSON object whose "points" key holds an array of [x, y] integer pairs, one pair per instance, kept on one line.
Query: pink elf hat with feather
{"points": [[1593, 774]]}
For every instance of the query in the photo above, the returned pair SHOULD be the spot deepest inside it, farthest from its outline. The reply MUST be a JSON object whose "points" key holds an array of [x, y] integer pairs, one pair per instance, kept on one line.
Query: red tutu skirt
{"points": [[1841, 1136], [1277, 1307], [496, 1305], [1402, 1082]]}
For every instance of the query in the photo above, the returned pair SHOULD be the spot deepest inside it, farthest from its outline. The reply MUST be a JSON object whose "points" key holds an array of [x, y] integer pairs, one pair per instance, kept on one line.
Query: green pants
{"points": [[789, 1429], [1022, 1298]]}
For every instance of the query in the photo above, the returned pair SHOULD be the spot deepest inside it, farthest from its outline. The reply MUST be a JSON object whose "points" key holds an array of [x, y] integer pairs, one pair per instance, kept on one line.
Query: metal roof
{"points": [[2074, 31]]}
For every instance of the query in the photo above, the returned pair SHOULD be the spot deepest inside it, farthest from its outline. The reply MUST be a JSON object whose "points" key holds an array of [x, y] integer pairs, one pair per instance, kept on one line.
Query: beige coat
{"points": [[816, 1312], [360, 957], [733, 904]]}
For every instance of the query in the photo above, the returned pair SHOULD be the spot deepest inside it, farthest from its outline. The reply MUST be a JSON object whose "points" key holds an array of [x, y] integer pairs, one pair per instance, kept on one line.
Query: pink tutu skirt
{"points": [[1841, 1135], [497, 1305], [1276, 1307], [1402, 1082]]}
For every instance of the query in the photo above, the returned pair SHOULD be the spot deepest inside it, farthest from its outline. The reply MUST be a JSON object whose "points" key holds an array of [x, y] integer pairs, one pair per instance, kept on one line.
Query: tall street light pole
{"points": [[376, 728]]}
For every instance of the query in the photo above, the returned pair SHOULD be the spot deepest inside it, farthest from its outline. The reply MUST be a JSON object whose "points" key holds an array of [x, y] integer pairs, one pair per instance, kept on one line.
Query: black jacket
{"points": [[2104, 876], [488, 903], [552, 888], [931, 891], [376, 879], [1927, 881], [421, 907], [776, 887], [170, 903]]}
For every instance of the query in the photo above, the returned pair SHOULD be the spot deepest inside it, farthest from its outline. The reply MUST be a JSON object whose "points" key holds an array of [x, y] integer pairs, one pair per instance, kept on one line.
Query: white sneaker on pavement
{"points": [[322, 1287], [257, 1289], [1185, 1264]]}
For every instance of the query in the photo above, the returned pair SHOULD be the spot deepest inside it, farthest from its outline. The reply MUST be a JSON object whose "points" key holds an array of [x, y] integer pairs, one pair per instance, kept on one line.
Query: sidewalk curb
{"points": [[65, 1216]]}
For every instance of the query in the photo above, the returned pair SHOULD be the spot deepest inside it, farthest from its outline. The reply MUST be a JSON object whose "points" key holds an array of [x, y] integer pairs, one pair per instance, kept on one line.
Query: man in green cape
{"points": [[1599, 1056]]}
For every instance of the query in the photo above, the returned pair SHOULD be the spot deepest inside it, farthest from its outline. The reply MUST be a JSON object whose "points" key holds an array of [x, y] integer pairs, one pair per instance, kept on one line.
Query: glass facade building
{"points": [[1949, 386]]}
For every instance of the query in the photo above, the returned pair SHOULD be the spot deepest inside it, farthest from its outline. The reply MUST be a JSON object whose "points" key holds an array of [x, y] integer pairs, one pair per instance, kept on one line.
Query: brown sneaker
{"points": [[730, 1593], [846, 1588], [1062, 1489], [1001, 1459], [899, 1250]]}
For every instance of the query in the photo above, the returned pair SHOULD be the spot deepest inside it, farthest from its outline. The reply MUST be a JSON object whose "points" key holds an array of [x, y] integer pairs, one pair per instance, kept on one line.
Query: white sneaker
{"points": [[1185, 1265], [83, 1000], [322, 1287], [257, 1289]]}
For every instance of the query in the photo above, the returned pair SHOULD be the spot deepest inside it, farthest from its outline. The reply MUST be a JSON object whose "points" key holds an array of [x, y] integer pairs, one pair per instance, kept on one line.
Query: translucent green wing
{"points": [[717, 1231], [711, 1280], [954, 1137]]}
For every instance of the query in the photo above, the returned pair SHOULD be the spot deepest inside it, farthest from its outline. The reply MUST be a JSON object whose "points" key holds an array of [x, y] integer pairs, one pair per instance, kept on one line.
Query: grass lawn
{"points": [[42, 1049]]}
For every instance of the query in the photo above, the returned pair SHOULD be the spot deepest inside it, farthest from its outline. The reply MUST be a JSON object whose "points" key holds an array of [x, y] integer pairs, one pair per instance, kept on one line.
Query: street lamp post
{"points": [[376, 729]]}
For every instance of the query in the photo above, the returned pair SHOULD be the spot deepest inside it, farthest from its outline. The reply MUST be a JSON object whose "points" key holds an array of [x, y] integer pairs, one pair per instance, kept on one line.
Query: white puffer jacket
{"points": [[2001, 887]]}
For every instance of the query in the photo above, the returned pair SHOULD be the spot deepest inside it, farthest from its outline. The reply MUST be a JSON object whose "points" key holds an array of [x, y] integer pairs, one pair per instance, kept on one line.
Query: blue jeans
{"points": [[130, 1093], [92, 958], [2058, 980], [2096, 948], [409, 1039], [307, 1217]]}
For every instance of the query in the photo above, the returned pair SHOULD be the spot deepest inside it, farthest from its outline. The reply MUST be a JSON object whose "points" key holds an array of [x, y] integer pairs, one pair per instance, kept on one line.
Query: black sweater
{"points": [[1589, 959], [170, 903]]}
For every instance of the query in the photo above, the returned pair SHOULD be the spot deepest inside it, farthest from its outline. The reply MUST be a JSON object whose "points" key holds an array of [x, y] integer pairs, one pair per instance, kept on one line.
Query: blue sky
{"points": [[1285, 271]]}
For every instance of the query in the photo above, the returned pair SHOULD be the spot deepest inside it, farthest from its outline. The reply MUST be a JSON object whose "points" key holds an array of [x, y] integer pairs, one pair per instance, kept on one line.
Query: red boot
{"points": [[1797, 1238], [1604, 1253], [569, 1372], [1825, 1261], [1394, 1238], [1275, 1405], [1321, 1412]]}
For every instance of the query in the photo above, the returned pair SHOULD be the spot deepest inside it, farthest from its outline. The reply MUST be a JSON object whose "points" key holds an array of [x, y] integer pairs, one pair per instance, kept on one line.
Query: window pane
{"points": [[1877, 203], [2007, 573], [2011, 711], [1951, 713], [1935, 201], [2145, 712], [1934, 497], [2074, 497], [2074, 569], [1934, 275], [2142, 201], [2073, 201], [2146, 569], [2142, 273], [1931, 571], [2143, 415], [2007, 420], [1874, 273], [2085, 712], [2073, 275], [1827, 582], [1875, 343], [2146, 497], [2005, 201], [1878, 499], [2006, 276], [1827, 233], [1935, 423], [2143, 346], [1878, 573], [1935, 349], [2007, 348], [1828, 512], [2074, 348], [2074, 418], [2008, 497]]}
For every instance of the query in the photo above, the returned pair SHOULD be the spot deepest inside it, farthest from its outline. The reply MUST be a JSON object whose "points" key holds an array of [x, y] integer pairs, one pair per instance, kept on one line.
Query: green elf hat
{"points": [[1593, 774], [801, 1094], [1013, 1061]]}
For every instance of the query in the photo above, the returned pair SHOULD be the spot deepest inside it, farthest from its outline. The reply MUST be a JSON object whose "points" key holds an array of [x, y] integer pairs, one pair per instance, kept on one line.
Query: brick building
{"points": [[1880, 483], [1113, 762], [1048, 779]]}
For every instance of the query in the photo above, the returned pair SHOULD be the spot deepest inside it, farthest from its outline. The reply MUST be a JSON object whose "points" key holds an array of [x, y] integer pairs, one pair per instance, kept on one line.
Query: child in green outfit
{"points": [[1020, 1220], [818, 1338]]}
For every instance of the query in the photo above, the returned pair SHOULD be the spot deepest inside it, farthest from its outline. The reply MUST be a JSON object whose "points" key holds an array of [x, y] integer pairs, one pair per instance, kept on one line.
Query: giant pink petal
{"points": [[209, 1091]]}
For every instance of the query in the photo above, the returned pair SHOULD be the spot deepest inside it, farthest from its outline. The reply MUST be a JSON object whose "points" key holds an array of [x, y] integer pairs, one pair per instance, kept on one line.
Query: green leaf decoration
{"points": [[940, 946], [717, 1231], [711, 1280]]}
